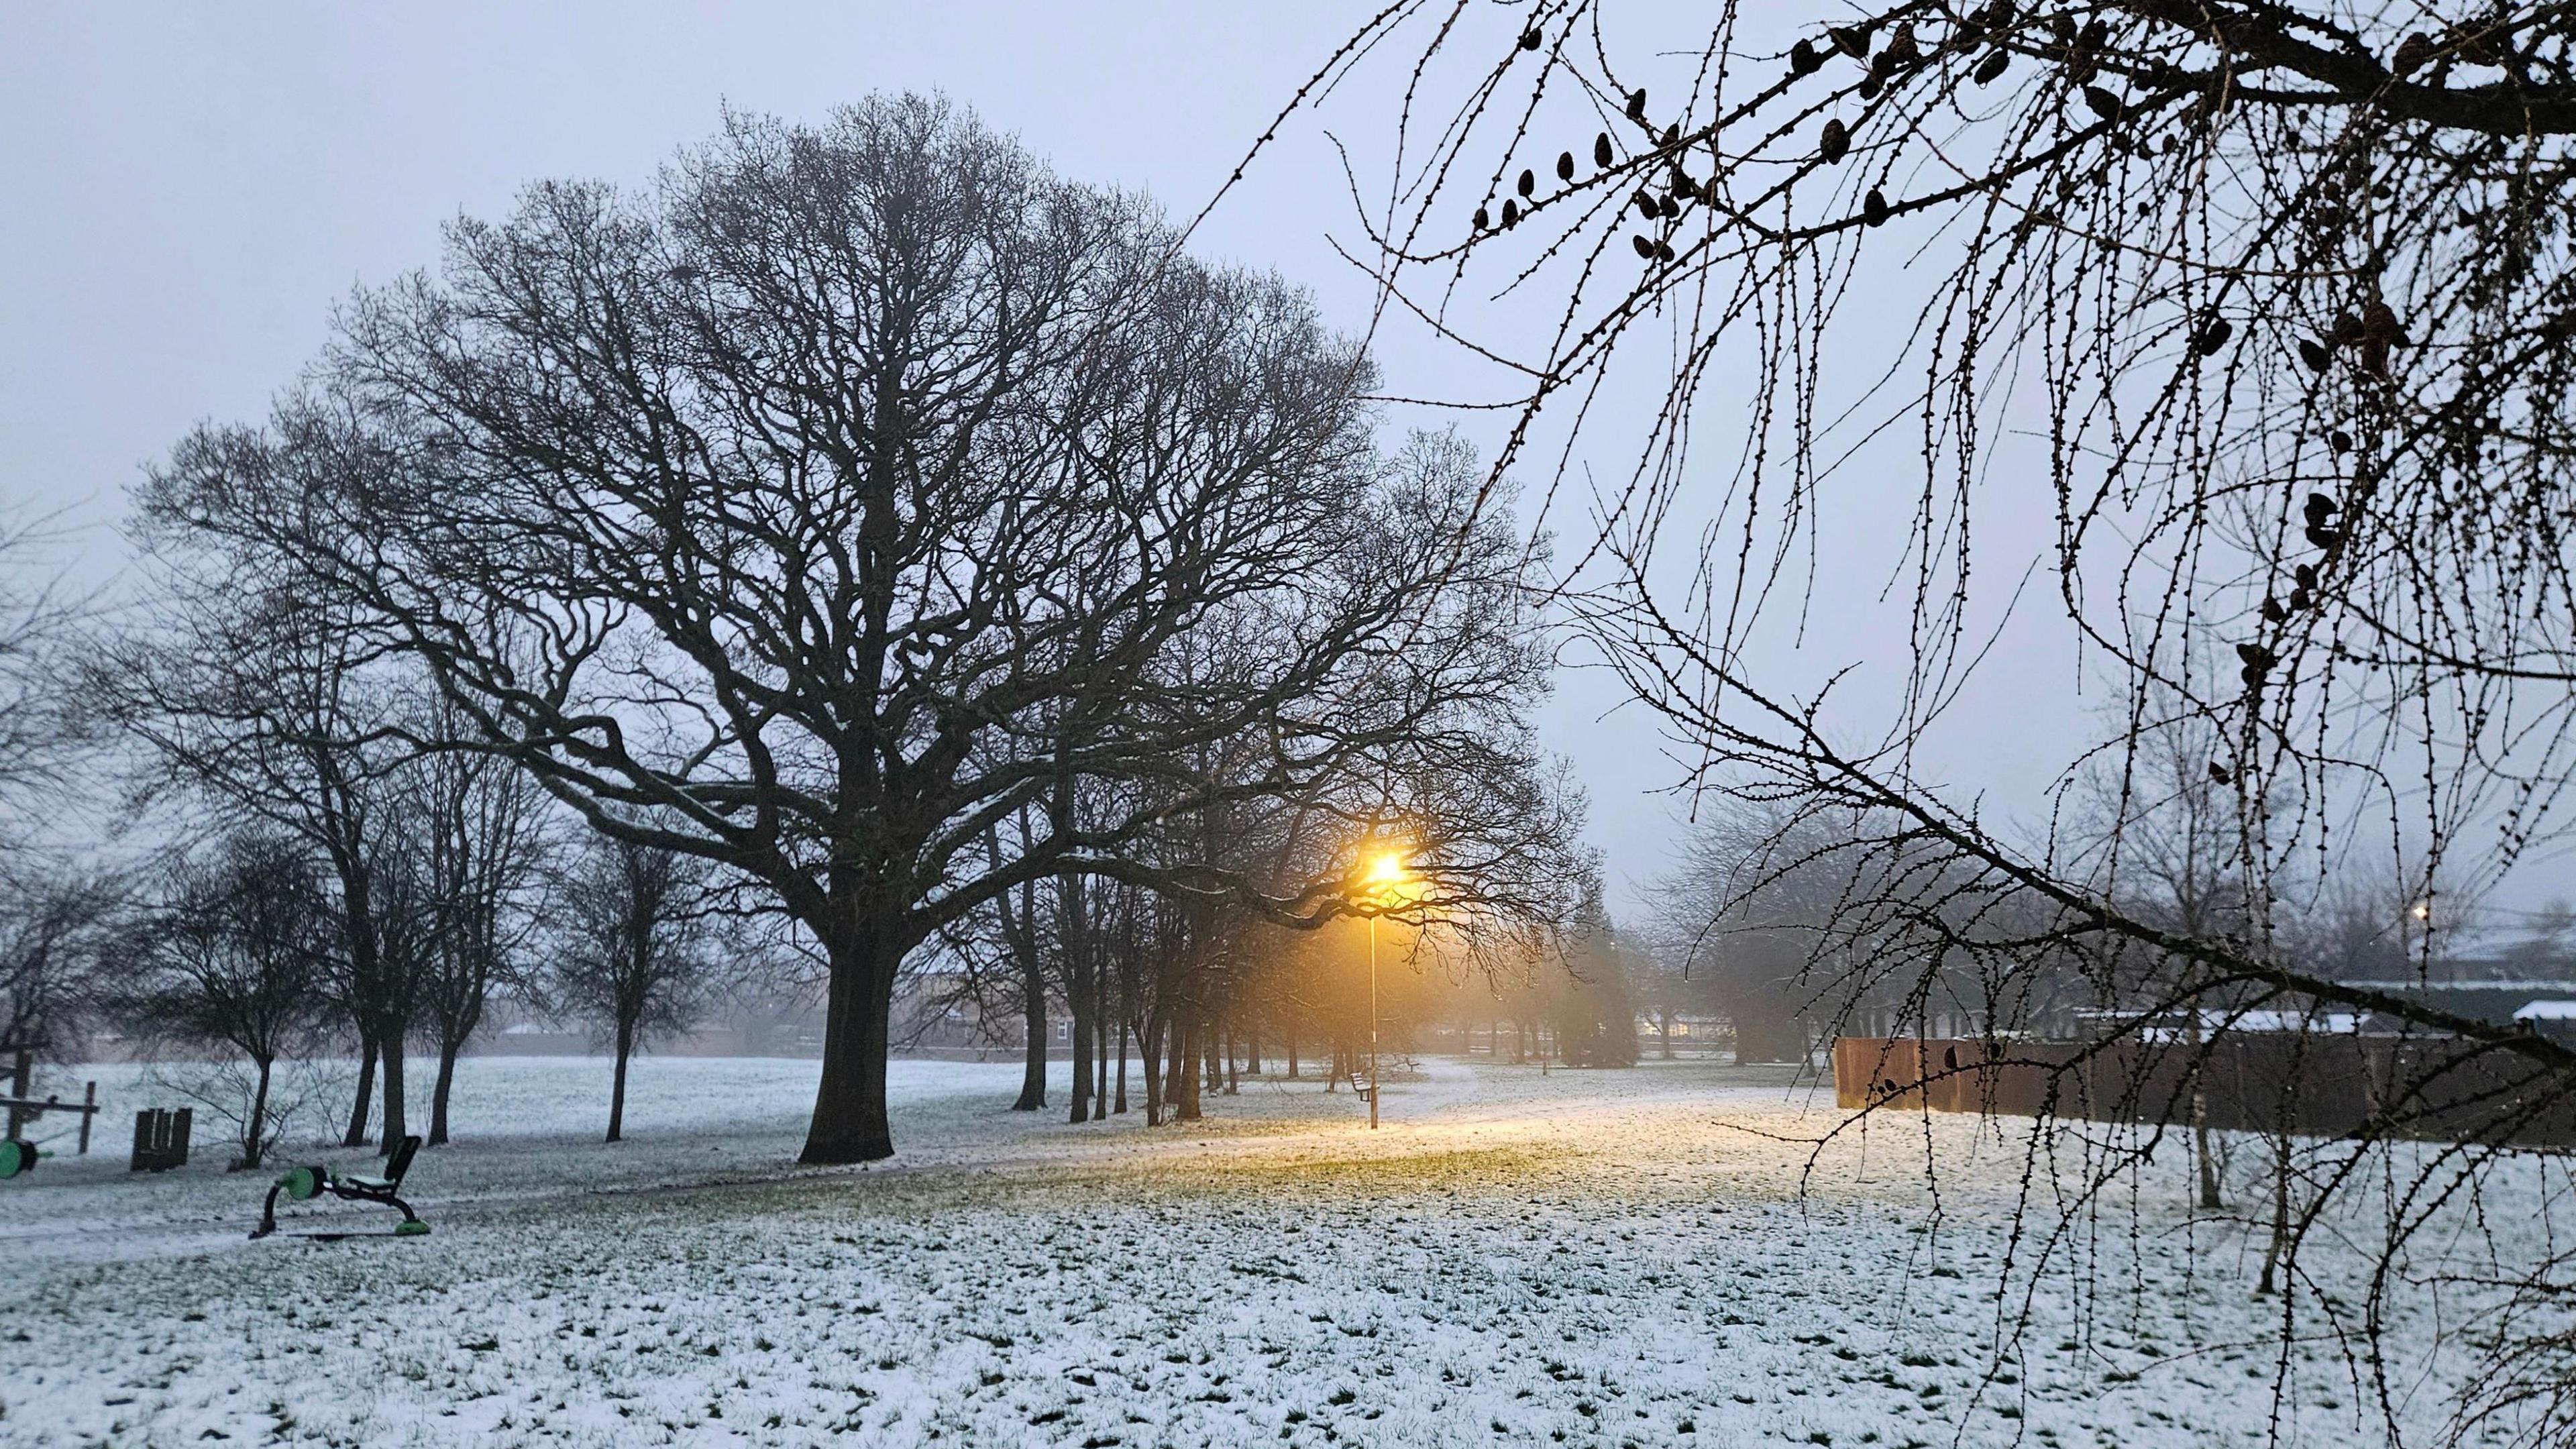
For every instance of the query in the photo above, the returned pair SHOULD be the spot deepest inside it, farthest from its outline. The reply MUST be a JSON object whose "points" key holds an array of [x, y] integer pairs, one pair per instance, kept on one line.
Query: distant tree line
{"points": [[1197, 998]]}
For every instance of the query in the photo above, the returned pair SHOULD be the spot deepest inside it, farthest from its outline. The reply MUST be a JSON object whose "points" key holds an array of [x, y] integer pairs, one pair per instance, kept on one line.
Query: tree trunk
{"points": [[850, 1102], [1193, 1084], [390, 1055], [1151, 1044], [2272, 1251], [1122, 1065], [1290, 1027], [438, 1091], [1099, 1055], [1033, 1005], [357, 1133], [1182, 1093], [1033, 1062], [617, 1083], [1077, 993], [2209, 1199], [1666, 1023], [258, 1116], [1233, 1061], [1081, 989]]}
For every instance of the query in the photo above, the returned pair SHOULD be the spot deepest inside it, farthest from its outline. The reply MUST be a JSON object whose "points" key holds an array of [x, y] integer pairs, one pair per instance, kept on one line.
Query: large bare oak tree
{"points": [[845, 494]]}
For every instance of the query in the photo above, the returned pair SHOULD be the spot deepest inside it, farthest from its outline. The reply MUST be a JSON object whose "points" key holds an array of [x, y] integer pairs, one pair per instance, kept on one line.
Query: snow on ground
{"points": [[1594, 1258]]}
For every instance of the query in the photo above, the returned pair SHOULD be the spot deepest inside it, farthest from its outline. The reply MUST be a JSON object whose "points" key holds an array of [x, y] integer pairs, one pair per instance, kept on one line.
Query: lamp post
{"points": [[1386, 873], [1372, 1022]]}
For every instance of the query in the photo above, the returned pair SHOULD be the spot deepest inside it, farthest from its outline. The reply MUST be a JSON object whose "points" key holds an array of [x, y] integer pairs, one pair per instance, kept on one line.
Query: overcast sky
{"points": [[187, 188]]}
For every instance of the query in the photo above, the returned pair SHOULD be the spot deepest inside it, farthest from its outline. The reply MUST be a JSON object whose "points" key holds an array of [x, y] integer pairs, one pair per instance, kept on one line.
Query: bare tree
{"points": [[1596, 1014], [2287, 288], [2379, 190], [1006, 942], [2180, 849], [383, 990], [247, 694], [1016, 917], [51, 924], [233, 954], [40, 730], [630, 951], [484, 824], [51, 909]]}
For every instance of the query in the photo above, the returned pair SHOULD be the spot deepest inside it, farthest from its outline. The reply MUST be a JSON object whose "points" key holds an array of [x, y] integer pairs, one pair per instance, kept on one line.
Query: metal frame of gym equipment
{"points": [[21, 1155]]}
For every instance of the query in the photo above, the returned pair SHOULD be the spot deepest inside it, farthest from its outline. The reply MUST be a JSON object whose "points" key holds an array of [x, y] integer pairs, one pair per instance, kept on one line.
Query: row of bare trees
{"points": [[1791, 916], [295, 886], [236, 955], [876, 531], [1194, 995]]}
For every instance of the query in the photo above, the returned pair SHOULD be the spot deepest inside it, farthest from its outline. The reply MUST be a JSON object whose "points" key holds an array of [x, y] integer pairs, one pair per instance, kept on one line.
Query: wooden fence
{"points": [[2309, 1085]]}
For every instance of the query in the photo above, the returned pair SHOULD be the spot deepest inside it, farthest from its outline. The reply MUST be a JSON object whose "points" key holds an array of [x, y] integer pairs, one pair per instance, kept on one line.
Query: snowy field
{"points": [[1594, 1258]]}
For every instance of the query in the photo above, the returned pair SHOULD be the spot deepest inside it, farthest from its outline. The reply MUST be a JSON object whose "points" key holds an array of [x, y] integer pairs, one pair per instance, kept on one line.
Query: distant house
{"points": [[535, 1038], [2488, 998], [2337, 1023], [2553, 1017], [2216, 1021]]}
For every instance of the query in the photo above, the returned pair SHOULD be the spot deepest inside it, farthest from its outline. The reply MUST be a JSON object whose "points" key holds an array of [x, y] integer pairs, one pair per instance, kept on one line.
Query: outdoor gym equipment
{"points": [[22, 1108], [302, 1184], [16, 1157]]}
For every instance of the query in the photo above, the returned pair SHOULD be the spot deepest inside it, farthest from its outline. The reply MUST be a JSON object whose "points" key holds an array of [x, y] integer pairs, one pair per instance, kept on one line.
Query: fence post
{"points": [[21, 1077]]}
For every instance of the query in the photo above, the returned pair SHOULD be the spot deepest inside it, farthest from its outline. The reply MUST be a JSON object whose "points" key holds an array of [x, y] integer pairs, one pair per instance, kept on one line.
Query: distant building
{"points": [[2553, 1017], [2488, 998]]}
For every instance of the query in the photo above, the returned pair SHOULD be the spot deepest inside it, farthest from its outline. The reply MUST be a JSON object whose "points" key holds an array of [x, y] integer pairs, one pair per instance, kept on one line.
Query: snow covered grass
{"points": [[1607, 1258]]}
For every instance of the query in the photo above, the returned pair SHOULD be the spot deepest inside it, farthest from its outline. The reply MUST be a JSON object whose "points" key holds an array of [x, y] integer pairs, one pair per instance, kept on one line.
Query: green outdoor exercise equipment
{"points": [[16, 1157], [303, 1184]]}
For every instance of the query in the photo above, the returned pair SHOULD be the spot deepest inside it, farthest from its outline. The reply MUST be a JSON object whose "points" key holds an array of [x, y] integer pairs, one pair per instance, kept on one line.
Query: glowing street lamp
{"points": [[1385, 877]]}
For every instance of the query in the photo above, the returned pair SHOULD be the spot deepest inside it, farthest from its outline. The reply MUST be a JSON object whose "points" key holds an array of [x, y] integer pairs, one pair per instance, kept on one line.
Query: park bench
{"points": [[302, 1184], [160, 1140]]}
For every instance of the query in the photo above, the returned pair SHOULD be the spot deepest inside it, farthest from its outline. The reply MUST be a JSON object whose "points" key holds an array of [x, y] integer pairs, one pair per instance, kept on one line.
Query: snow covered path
{"points": [[1605, 1258]]}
